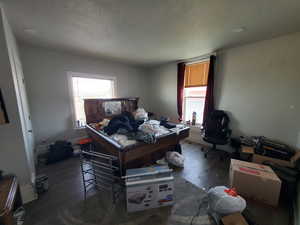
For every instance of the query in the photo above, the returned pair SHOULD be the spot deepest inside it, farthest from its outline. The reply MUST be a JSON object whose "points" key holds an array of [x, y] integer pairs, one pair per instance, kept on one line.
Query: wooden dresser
{"points": [[10, 199]]}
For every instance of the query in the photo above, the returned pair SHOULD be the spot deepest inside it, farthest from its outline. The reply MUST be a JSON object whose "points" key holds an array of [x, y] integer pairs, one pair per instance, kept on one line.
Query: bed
{"points": [[135, 155]]}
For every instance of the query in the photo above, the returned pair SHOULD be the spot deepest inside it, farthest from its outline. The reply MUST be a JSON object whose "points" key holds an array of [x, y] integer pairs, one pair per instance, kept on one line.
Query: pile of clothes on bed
{"points": [[128, 128]]}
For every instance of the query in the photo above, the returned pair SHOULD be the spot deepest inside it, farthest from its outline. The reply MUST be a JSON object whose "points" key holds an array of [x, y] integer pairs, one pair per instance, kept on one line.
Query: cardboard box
{"points": [[255, 181], [149, 187], [234, 219], [261, 158]]}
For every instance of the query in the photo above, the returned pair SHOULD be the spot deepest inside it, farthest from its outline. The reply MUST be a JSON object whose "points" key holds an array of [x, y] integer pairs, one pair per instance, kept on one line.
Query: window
{"points": [[85, 86], [194, 99], [195, 82]]}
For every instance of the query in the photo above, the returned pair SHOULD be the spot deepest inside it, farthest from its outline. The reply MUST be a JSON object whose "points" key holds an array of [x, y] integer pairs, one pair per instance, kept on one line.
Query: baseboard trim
{"points": [[28, 193]]}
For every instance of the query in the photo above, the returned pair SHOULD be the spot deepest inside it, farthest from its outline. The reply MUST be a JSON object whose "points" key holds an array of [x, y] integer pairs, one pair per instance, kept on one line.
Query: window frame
{"points": [[184, 95], [70, 75]]}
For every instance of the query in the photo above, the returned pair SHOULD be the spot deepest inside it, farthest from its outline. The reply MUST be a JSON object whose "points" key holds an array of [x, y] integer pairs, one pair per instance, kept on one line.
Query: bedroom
{"points": [[137, 45]]}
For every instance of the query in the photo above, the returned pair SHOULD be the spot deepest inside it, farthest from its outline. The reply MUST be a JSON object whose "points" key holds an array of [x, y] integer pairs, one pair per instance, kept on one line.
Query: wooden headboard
{"points": [[98, 109]]}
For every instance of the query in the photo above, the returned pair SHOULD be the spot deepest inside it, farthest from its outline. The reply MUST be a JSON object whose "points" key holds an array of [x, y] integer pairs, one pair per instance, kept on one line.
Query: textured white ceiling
{"points": [[148, 32]]}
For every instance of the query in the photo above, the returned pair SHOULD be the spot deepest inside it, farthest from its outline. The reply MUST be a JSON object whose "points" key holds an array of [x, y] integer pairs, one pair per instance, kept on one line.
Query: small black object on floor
{"points": [[59, 151]]}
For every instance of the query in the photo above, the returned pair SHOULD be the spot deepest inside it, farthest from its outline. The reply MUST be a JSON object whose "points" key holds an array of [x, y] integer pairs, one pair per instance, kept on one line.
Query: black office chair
{"points": [[215, 130]]}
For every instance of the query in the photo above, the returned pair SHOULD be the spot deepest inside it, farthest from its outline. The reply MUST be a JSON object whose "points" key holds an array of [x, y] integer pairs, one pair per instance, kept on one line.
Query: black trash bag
{"points": [[59, 151]]}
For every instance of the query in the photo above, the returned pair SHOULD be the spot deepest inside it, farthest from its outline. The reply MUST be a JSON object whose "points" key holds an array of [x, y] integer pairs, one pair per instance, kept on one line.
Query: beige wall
{"points": [[163, 86], [45, 74], [258, 84]]}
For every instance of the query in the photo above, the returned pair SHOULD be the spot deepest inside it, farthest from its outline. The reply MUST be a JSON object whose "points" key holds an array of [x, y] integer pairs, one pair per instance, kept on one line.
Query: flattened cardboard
{"points": [[255, 181], [234, 219]]}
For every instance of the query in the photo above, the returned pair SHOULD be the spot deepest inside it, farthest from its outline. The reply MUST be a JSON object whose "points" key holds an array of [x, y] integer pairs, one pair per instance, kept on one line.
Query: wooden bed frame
{"points": [[132, 156]]}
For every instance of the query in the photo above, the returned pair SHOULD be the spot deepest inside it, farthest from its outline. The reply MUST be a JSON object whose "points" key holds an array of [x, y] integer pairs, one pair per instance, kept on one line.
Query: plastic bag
{"points": [[175, 159], [224, 201], [141, 114], [123, 140]]}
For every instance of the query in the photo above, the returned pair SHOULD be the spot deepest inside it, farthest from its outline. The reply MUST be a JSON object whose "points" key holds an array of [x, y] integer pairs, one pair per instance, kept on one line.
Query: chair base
{"points": [[213, 148]]}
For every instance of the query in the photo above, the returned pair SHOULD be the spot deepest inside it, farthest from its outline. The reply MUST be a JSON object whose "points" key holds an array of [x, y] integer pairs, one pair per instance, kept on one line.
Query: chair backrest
{"points": [[217, 124]]}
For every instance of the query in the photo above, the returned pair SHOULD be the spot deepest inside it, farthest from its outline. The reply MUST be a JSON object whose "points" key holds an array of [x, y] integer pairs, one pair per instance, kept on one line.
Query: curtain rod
{"points": [[197, 59]]}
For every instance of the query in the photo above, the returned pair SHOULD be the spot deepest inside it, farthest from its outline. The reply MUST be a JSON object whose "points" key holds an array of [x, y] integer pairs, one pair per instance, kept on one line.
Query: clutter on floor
{"points": [[19, 215], [98, 209], [271, 148], [162, 161], [174, 158], [244, 176], [283, 159], [223, 201], [260, 149], [59, 151], [234, 219], [41, 184], [190, 204], [289, 178], [100, 171], [286, 168], [149, 187], [249, 153], [153, 187]]}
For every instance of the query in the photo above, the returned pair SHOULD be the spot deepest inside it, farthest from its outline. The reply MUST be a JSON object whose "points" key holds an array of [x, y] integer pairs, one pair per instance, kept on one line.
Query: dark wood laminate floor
{"points": [[66, 186]]}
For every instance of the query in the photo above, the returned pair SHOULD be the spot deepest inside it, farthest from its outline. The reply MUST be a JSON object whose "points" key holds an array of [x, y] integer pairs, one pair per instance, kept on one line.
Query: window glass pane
{"points": [[194, 105], [84, 88], [194, 99]]}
